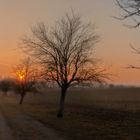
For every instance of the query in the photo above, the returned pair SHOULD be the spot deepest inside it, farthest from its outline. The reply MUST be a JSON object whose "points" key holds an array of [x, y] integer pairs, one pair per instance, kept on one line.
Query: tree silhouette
{"points": [[26, 74], [66, 53]]}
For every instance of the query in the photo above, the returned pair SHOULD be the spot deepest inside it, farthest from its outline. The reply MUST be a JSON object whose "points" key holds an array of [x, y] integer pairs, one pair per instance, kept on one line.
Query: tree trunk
{"points": [[62, 100], [22, 97]]}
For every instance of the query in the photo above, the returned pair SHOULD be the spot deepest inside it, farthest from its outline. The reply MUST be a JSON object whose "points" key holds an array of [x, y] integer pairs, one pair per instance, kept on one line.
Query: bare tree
{"points": [[131, 9], [66, 53], [26, 74]]}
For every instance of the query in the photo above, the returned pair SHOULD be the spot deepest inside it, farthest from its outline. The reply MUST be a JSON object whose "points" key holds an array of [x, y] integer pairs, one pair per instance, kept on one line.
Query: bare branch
{"points": [[65, 50], [135, 50], [132, 67], [131, 9]]}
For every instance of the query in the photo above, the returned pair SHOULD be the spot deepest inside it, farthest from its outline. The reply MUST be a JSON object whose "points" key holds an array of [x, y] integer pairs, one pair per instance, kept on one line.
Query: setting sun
{"points": [[21, 77], [20, 74]]}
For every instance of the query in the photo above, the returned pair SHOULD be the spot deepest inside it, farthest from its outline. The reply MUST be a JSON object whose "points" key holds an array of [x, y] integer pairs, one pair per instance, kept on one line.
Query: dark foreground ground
{"points": [[89, 115]]}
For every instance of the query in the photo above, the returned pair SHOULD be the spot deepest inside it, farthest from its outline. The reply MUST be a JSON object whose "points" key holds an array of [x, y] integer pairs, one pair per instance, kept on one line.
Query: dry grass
{"points": [[89, 114]]}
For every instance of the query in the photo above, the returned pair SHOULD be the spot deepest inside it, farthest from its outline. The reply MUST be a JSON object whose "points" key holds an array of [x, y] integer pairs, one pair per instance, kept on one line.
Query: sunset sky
{"points": [[17, 16]]}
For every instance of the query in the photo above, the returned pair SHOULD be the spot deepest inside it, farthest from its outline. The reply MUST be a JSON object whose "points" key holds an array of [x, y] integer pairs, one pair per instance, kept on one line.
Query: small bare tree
{"points": [[66, 53], [26, 75], [131, 9]]}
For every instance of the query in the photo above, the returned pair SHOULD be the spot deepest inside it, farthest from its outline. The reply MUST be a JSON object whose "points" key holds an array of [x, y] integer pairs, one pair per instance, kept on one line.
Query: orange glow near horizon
{"points": [[21, 77], [113, 49], [20, 74]]}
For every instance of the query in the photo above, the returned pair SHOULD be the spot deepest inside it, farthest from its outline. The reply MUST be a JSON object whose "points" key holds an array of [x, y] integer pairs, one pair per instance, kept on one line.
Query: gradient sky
{"points": [[17, 16]]}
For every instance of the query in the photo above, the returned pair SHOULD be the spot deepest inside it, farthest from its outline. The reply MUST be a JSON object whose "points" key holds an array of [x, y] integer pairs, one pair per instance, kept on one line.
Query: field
{"points": [[90, 114]]}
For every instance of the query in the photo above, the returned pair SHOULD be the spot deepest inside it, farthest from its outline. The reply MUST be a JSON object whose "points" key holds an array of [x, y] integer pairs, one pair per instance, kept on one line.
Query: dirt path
{"points": [[28, 129], [14, 124], [5, 132]]}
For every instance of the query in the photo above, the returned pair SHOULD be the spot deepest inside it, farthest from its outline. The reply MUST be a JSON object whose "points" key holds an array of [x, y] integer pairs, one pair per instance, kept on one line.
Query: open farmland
{"points": [[113, 98], [99, 114]]}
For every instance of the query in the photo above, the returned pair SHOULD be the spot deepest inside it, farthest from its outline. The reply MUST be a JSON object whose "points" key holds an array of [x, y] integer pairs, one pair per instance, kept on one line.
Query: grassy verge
{"points": [[81, 123]]}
